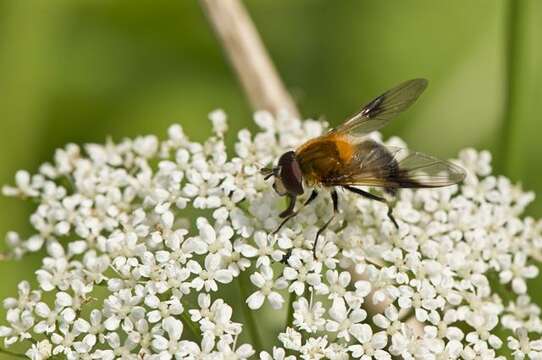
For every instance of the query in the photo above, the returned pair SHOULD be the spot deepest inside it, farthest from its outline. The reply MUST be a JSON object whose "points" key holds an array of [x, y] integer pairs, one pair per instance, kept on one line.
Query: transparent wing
{"points": [[378, 112], [377, 165], [419, 170]]}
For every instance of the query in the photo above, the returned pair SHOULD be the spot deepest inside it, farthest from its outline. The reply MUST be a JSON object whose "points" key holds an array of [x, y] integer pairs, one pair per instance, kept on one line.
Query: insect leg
{"points": [[313, 196], [290, 209], [292, 213], [335, 199], [287, 214], [368, 195]]}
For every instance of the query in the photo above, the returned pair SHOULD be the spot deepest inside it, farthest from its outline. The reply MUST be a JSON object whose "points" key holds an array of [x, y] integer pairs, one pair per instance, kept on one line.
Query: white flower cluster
{"points": [[127, 275]]}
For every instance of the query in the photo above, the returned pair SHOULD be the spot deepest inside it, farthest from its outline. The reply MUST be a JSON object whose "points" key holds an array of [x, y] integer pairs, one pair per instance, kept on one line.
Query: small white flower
{"points": [[314, 348], [517, 272], [278, 354], [219, 324], [203, 189], [162, 309], [308, 316], [370, 345], [218, 118], [338, 283], [236, 262], [268, 286], [204, 302], [265, 249], [244, 351], [301, 274], [118, 307], [20, 323], [424, 301], [170, 346], [40, 350], [24, 186], [522, 347], [291, 339], [212, 273], [482, 324], [345, 322]]}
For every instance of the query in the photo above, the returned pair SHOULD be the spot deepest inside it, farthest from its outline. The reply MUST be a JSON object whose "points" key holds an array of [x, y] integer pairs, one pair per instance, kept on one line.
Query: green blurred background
{"points": [[80, 70]]}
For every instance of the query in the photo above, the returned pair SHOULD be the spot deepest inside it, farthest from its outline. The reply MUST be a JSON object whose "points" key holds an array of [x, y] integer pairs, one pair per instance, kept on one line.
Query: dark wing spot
{"points": [[371, 109]]}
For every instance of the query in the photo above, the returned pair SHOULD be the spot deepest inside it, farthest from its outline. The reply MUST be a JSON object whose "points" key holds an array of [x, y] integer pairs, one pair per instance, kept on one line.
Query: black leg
{"points": [[313, 196], [290, 213], [290, 209], [390, 216], [282, 223], [335, 199], [363, 193], [368, 195], [285, 258]]}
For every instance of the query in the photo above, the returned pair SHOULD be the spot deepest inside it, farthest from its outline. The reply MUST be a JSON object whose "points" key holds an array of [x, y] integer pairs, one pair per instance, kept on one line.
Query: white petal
{"points": [[276, 300], [244, 351], [381, 321], [298, 287], [357, 315], [81, 325], [224, 276], [255, 301], [212, 262], [257, 279], [382, 355], [363, 333], [379, 340], [152, 301], [63, 299], [204, 300], [207, 233], [173, 327], [391, 313], [112, 323], [154, 316], [42, 309], [332, 326], [68, 314], [338, 309], [289, 273], [160, 343], [519, 286]]}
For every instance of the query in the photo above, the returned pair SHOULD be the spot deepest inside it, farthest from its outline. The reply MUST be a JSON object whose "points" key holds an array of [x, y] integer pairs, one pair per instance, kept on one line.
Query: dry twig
{"points": [[246, 52]]}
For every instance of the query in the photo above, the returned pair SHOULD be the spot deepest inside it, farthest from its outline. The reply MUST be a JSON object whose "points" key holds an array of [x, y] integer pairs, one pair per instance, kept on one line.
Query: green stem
{"points": [[290, 316], [512, 50], [10, 353], [248, 314], [196, 334]]}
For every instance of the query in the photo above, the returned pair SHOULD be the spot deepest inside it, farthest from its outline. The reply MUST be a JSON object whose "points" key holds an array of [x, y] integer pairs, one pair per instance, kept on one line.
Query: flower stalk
{"points": [[290, 313], [194, 331], [12, 354], [248, 56]]}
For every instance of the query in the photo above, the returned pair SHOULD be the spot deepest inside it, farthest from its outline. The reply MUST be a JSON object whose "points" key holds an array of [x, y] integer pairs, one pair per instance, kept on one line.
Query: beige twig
{"points": [[243, 46], [248, 56]]}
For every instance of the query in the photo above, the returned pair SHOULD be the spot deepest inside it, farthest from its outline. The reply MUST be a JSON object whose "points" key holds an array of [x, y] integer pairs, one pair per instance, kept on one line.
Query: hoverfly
{"points": [[345, 157]]}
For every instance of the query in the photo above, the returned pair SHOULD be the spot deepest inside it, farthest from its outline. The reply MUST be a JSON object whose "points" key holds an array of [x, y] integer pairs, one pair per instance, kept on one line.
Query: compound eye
{"points": [[292, 178]]}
